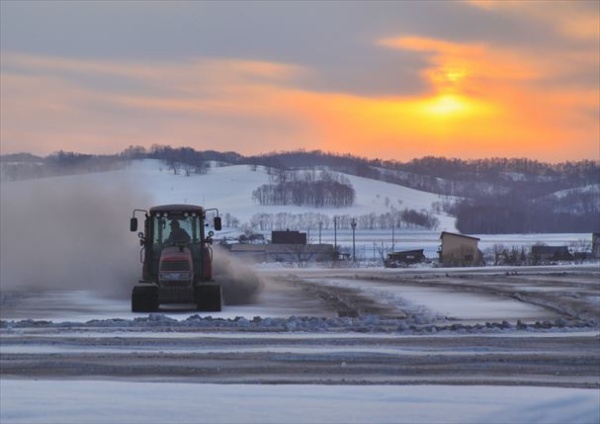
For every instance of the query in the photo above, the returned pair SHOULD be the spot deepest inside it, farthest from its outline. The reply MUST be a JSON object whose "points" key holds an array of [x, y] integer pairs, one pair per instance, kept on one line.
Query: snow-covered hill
{"points": [[230, 188]]}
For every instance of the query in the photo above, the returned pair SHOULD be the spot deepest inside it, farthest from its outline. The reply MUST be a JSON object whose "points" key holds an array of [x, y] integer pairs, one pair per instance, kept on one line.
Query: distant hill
{"points": [[20, 158], [496, 195]]}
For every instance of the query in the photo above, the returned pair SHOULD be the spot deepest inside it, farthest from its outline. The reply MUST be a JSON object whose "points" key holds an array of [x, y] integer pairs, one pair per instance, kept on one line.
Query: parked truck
{"points": [[177, 258]]}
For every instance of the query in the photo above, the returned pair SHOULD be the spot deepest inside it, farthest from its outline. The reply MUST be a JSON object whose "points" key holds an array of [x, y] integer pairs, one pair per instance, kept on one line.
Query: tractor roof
{"points": [[176, 208]]}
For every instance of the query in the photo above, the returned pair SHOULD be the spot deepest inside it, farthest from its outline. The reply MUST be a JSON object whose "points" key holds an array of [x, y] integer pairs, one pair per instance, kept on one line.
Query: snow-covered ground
{"points": [[495, 344], [440, 352], [101, 401]]}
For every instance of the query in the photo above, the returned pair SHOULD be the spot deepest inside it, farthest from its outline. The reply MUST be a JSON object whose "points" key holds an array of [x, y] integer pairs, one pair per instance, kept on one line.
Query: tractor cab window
{"points": [[177, 232], [170, 229]]}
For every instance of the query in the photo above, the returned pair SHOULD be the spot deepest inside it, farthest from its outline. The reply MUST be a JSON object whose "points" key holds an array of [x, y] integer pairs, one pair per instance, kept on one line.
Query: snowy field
{"points": [[354, 345], [28, 402], [437, 351]]}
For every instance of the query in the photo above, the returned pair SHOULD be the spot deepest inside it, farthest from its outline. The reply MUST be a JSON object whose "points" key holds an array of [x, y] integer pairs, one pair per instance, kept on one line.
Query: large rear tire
{"points": [[208, 297], [144, 298]]}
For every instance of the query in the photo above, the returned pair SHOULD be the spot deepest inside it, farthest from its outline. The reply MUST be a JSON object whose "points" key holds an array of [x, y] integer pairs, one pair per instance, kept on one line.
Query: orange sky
{"points": [[477, 98]]}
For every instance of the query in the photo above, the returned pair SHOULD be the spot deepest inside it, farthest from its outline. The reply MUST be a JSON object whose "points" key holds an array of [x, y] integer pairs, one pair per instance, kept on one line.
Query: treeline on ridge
{"points": [[398, 219]]}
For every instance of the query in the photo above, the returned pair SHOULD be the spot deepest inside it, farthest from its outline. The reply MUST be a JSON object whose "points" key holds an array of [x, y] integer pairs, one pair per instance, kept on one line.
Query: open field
{"points": [[525, 327]]}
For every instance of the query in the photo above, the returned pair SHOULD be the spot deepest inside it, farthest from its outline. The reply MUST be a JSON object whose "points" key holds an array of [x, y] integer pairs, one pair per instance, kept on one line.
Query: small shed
{"points": [[542, 253], [404, 258], [459, 250]]}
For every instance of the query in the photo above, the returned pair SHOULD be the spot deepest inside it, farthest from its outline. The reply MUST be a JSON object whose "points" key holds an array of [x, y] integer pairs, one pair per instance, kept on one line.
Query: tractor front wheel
{"points": [[144, 298], [208, 297]]}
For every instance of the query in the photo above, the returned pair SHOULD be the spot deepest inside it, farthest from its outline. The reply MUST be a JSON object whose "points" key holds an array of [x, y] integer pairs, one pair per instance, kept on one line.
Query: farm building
{"points": [[402, 259], [288, 237], [288, 253], [459, 250], [299, 253], [249, 252], [550, 253]]}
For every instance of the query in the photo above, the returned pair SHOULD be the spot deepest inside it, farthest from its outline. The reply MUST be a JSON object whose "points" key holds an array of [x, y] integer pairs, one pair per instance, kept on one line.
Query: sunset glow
{"points": [[471, 96], [446, 106]]}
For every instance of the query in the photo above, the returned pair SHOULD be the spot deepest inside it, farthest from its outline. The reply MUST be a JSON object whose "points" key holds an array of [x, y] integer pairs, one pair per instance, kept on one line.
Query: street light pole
{"points": [[335, 252], [353, 224], [320, 226]]}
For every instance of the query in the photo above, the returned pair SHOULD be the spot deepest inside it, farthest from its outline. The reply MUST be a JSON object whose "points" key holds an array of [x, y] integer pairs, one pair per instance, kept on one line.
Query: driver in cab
{"points": [[178, 234]]}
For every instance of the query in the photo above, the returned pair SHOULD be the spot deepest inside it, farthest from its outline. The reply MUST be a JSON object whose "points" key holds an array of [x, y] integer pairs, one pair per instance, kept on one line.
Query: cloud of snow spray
{"points": [[239, 283], [64, 233]]}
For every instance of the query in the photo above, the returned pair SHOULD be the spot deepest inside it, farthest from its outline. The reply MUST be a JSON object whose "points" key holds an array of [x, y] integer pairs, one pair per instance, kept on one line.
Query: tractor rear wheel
{"points": [[144, 298], [208, 297]]}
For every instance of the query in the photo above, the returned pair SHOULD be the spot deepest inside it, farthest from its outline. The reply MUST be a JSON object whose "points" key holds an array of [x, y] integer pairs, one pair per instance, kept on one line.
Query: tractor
{"points": [[177, 259]]}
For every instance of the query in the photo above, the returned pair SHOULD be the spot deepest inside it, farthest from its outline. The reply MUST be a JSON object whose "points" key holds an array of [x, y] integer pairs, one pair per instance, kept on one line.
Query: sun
{"points": [[448, 82], [446, 105]]}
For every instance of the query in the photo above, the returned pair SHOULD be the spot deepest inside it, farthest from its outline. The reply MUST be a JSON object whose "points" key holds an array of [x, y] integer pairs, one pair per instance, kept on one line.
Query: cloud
{"points": [[466, 79], [481, 97], [577, 20], [106, 104]]}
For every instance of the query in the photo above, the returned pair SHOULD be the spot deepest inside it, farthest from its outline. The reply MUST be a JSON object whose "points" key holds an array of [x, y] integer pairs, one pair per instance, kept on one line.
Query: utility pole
{"points": [[353, 224]]}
